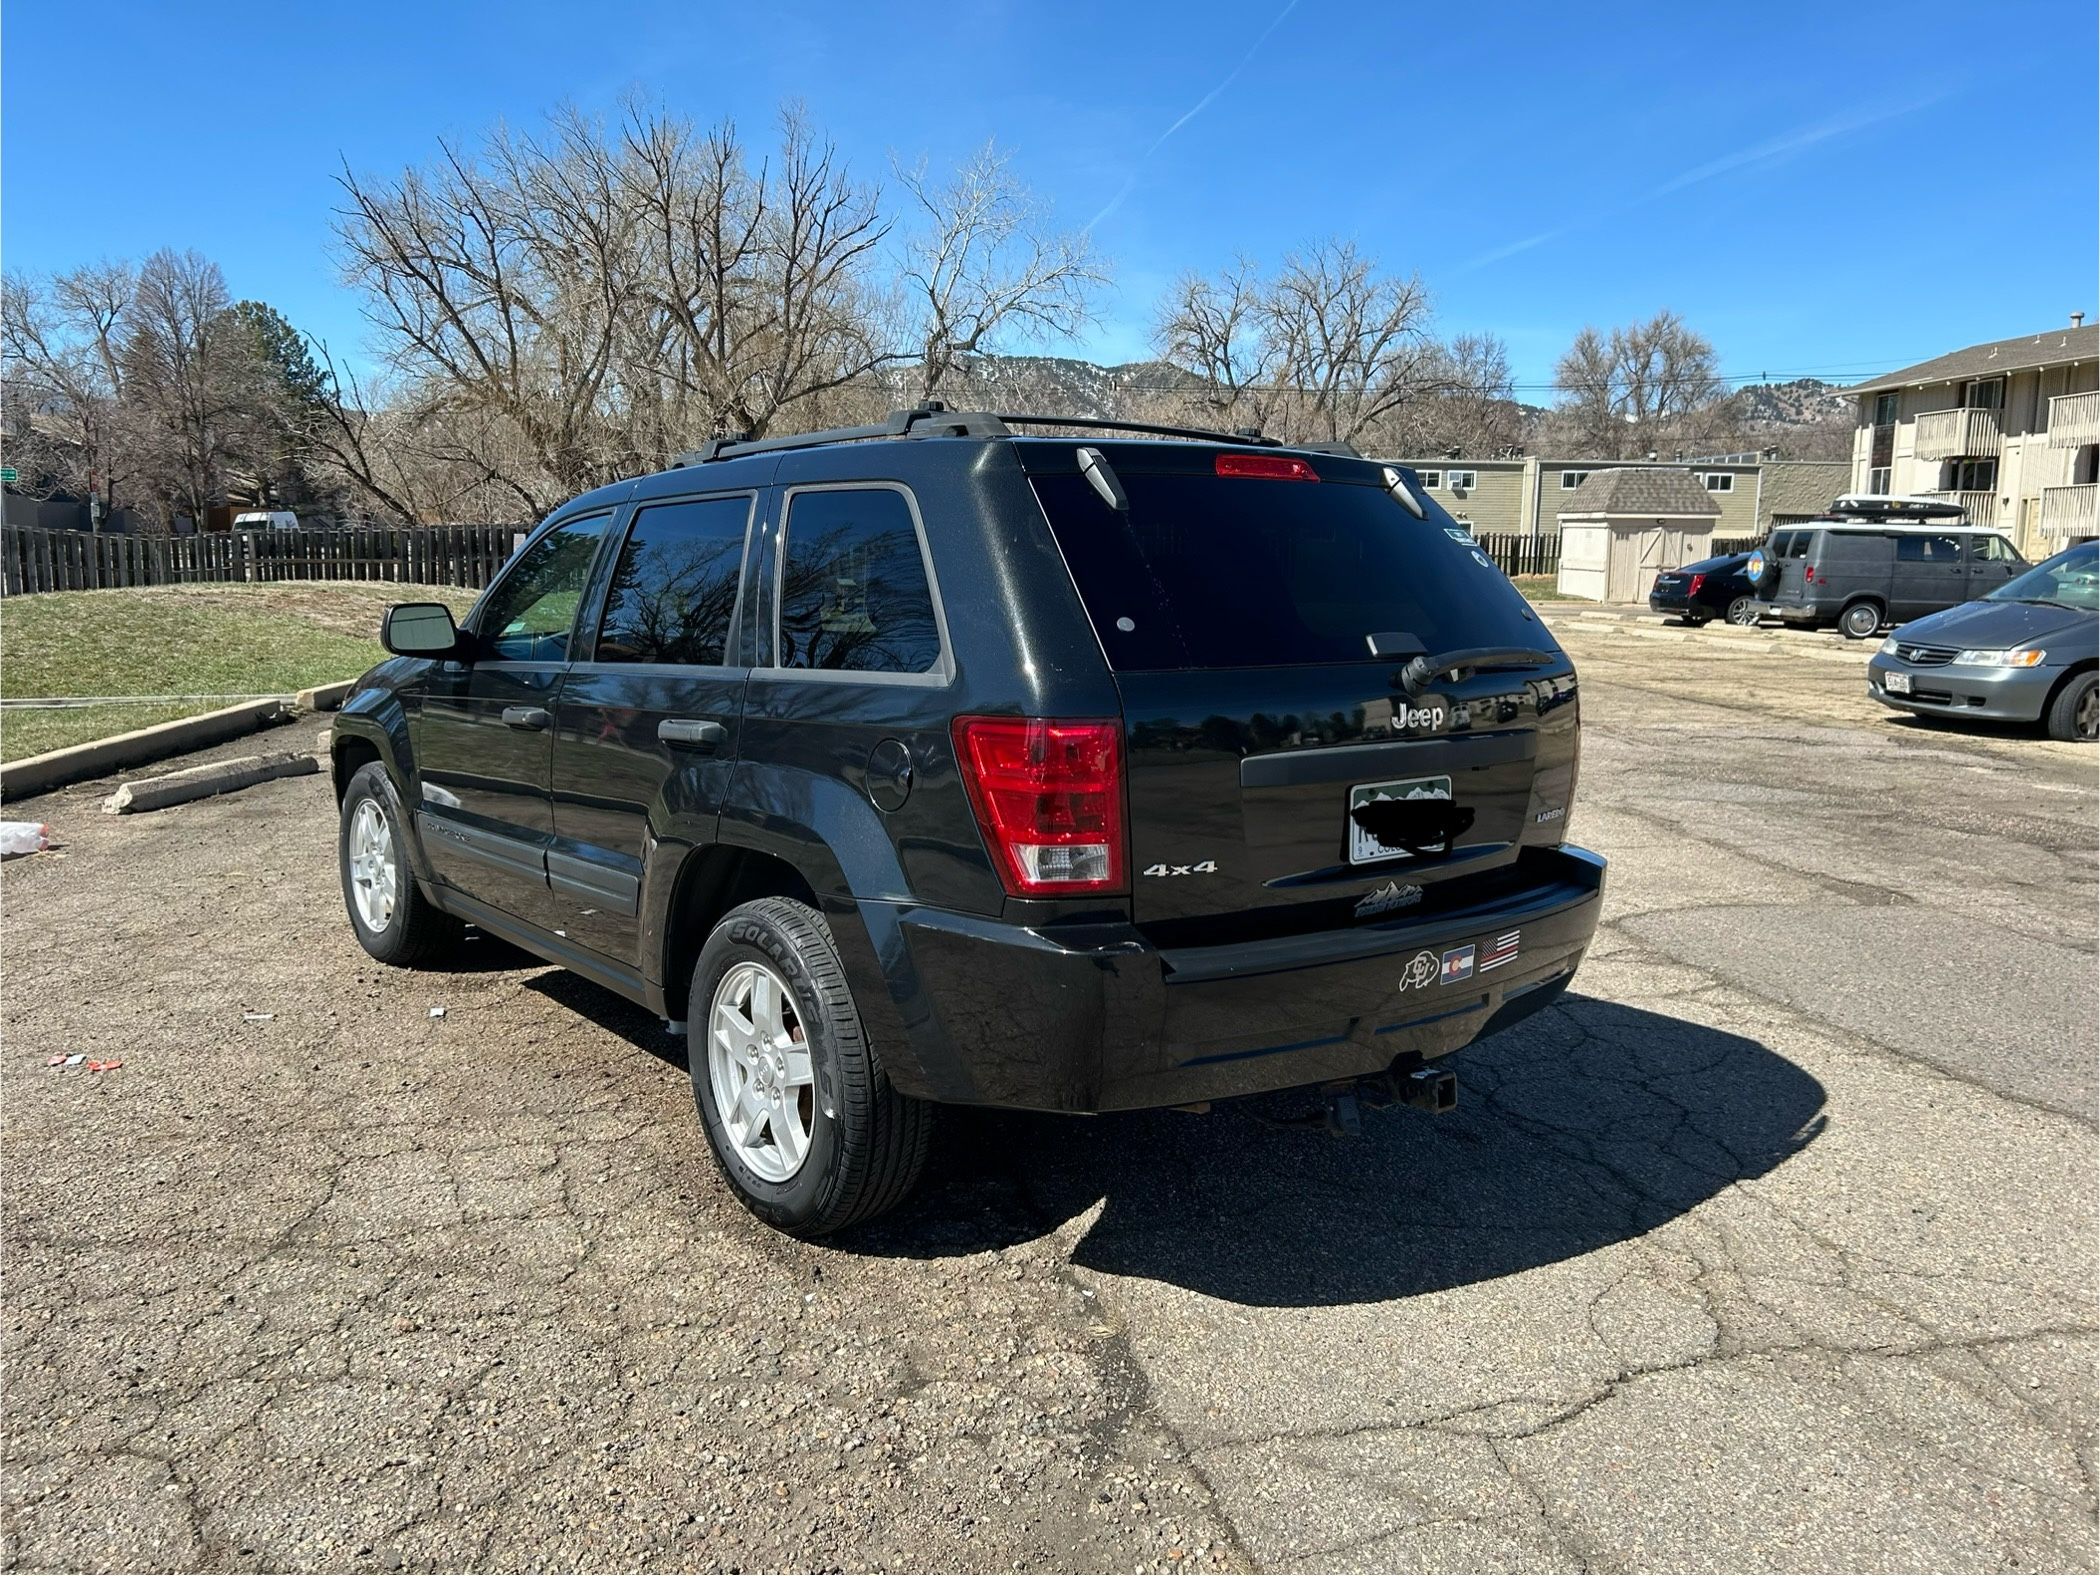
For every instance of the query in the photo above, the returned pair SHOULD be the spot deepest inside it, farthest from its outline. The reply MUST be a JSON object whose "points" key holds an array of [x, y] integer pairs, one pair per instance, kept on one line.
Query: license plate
{"points": [[1406, 835], [1896, 683]]}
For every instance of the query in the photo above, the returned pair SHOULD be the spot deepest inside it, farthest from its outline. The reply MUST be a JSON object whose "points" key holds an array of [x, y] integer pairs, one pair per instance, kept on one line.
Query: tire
{"points": [[857, 1159], [1861, 620], [2075, 712], [1743, 612], [1762, 571], [394, 921]]}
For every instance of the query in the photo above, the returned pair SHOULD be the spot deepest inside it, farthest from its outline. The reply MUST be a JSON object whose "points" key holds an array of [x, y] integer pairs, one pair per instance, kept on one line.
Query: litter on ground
{"points": [[23, 837], [257, 1017], [437, 1012]]}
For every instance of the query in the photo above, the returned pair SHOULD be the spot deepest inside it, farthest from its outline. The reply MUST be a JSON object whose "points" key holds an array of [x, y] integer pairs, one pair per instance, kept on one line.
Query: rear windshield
{"points": [[1229, 572]]}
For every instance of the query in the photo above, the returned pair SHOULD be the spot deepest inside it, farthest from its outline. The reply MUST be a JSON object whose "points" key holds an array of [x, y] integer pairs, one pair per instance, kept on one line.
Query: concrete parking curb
{"points": [[202, 782], [325, 697], [37, 774]]}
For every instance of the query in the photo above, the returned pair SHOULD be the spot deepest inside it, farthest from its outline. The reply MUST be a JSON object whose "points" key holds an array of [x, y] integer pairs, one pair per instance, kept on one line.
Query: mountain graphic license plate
{"points": [[1399, 820]]}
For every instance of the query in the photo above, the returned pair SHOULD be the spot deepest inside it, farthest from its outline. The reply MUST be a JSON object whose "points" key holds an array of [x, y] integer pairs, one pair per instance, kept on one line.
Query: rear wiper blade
{"points": [[1415, 677]]}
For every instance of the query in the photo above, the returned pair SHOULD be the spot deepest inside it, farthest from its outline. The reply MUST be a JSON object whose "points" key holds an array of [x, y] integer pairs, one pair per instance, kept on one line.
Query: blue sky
{"points": [[1830, 188]]}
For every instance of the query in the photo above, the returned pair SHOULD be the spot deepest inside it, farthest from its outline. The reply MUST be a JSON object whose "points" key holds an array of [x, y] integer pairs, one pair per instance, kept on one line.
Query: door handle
{"points": [[531, 719], [704, 732]]}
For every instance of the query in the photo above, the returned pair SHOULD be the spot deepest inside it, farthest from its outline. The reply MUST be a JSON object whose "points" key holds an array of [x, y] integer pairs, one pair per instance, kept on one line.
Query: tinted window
{"points": [[1209, 571], [853, 592], [527, 617], [674, 590], [1995, 550], [1916, 547], [1797, 544]]}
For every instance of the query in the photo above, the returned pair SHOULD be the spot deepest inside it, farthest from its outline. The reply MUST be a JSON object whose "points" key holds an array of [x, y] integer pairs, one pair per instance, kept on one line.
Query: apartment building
{"points": [[2010, 430], [1525, 496]]}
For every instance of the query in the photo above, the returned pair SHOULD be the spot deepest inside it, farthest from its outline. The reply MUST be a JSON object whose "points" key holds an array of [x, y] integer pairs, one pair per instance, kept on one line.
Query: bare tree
{"points": [[59, 340], [1644, 386], [983, 266], [615, 296], [184, 365], [1215, 329], [1468, 405], [1330, 348]]}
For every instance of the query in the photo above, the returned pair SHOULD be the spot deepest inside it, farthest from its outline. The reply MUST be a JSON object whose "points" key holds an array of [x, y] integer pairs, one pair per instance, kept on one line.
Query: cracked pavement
{"points": [[1770, 1248]]}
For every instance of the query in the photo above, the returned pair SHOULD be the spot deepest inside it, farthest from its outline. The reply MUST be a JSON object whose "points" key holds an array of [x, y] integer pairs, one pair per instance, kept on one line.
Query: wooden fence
{"points": [[443, 555], [448, 555], [1521, 555]]}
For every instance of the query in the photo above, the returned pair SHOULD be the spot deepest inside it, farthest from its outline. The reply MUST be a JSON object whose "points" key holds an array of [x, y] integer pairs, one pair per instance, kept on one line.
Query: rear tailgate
{"points": [[1280, 776]]}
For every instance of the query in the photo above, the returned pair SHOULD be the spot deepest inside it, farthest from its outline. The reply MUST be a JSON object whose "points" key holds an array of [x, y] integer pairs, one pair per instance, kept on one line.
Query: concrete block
{"points": [[202, 782]]}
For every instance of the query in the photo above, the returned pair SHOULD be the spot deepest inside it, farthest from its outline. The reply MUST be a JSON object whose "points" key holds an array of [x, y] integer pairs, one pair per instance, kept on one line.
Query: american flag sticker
{"points": [[1458, 964], [1500, 951]]}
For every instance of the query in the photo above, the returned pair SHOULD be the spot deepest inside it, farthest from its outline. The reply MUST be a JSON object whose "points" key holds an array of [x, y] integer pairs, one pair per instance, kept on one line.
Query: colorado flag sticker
{"points": [[1458, 964]]}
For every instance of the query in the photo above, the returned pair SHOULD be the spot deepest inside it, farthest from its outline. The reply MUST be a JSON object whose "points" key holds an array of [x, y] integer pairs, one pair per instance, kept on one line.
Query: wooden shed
{"points": [[1623, 527]]}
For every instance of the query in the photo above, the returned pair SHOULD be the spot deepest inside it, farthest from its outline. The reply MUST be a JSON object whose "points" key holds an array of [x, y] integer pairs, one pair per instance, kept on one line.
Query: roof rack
{"points": [[936, 420]]}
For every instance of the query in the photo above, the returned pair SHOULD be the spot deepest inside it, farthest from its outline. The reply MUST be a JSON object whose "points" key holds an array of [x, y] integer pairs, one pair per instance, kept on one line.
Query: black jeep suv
{"points": [[956, 767]]}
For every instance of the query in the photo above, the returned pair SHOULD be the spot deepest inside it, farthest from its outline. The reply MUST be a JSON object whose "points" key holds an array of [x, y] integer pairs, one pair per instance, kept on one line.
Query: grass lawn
{"points": [[202, 641], [1542, 588]]}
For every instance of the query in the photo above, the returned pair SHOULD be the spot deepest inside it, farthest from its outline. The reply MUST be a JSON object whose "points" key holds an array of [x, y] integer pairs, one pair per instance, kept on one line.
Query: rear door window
{"points": [[1915, 547], [1207, 571], [673, 592]]}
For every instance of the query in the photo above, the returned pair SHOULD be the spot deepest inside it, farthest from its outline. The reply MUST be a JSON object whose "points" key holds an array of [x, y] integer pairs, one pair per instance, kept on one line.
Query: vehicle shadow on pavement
{"points": [[1588, 1124]]}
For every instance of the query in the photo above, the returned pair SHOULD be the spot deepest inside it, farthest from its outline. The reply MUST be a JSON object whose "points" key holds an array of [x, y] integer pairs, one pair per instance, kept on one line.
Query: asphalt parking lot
{"points": [[1771, 1248]]}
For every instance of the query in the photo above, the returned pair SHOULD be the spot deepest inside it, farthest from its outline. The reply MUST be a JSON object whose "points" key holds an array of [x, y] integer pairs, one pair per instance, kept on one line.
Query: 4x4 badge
{"points": [[1387, 898]]}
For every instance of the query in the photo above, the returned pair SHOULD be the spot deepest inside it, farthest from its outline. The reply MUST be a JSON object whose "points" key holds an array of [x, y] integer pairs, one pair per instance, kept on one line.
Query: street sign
{"points": [[7, 474]]}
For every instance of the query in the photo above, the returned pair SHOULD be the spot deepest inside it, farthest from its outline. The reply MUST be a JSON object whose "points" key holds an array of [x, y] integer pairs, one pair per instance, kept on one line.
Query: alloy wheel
{"points": [[759, 1069], [375, 868]]}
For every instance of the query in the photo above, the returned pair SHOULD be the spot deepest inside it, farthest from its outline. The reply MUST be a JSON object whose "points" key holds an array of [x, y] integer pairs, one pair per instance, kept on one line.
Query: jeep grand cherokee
{"points": [[925, 764]]}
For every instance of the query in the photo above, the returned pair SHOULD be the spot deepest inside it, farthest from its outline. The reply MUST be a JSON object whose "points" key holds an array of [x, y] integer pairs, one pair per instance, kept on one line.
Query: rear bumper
{"points": [[1797, 613], [1094, 1018], [1662, 601], [1988, 694]]}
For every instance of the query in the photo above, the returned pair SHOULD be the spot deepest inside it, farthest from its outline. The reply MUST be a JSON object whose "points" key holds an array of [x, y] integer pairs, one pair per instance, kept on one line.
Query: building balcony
{"points": [[2074, 420], [1956, 435], [2071, 511], [1980, 507]]}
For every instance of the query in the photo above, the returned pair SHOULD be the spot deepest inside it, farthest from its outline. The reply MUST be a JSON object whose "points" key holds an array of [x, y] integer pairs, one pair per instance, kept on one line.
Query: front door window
{"points": [[529, 615]]}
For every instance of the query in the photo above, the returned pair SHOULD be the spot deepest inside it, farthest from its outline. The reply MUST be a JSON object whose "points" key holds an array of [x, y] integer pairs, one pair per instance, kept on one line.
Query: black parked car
{"points": [[960, 767], [1710, 589], [1879, 559]]}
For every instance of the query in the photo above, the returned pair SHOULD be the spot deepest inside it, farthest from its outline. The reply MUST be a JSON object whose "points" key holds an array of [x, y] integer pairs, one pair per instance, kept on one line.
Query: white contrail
{"points": [[1772, 151], [1785, 147], [1188, 115]]}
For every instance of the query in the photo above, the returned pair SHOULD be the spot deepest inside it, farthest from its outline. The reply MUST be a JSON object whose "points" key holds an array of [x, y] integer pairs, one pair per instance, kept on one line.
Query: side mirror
{"points": [[420, 629]]}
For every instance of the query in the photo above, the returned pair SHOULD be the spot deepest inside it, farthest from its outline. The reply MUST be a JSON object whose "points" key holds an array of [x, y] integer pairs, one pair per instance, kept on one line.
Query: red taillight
{"points": [[1693, 588], [1049, 797], [1274, 467], [1808, 574]]}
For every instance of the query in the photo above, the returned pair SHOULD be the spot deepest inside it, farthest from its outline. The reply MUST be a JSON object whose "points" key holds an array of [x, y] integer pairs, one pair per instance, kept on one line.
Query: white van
{"points": [[266, 520]]}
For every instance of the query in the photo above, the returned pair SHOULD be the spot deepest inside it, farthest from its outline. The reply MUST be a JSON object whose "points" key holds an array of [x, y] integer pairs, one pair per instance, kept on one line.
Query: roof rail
{"points": [[935, 420], [1252, 436], [933, 417]]}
